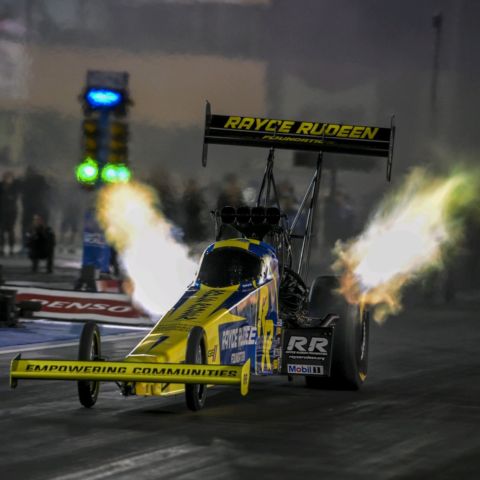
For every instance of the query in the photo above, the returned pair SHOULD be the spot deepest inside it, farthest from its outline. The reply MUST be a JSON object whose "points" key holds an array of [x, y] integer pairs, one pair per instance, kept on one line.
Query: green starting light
{"points": [[123, 174], [87, 171], [116, 173], [109, 173]]}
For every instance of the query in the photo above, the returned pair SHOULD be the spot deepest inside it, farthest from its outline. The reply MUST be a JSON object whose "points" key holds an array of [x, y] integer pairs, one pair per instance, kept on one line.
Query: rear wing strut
{"points": [[298, 135]]}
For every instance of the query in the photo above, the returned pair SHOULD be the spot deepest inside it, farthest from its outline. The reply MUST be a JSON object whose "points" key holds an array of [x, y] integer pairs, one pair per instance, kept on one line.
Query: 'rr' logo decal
{"points": [[299, 344]]}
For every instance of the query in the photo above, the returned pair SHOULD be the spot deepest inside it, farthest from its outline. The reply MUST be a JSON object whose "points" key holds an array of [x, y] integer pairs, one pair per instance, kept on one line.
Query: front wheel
{"points": [[89, 349], [350, 337], [195, 394]]}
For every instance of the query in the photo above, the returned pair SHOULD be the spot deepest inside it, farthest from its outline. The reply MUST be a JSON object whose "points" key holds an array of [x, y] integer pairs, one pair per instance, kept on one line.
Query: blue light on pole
{"points": [[103, 98]]}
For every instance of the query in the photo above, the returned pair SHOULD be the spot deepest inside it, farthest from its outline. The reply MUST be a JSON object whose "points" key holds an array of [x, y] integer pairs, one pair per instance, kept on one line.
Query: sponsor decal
{"points": [[183, 371], [317, 129], [96, 239], [238, 337], [75, 368], [266, 331], [213, 353], [315, 345], [238, 357], [81, 306], [315, 141], [305, 369], [310, 348], [130, 370], [48, 304], [199, 305], [237, 342]]}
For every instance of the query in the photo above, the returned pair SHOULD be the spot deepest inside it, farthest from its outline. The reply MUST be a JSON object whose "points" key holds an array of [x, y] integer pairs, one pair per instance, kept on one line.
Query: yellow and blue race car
{"points": [[249, 311]]}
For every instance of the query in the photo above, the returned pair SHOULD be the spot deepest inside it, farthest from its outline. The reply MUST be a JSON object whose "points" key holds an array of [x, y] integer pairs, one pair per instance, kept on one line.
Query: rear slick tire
{"points": [[195, 394], [350, 338], [89, 349]]}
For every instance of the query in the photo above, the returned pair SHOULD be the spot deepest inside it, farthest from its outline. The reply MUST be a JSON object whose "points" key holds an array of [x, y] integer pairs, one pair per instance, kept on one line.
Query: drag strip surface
{"points": [[418, 415]]}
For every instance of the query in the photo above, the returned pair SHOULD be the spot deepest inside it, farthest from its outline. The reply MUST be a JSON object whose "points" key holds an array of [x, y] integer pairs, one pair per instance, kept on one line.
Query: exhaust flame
{"points": [[158, 266], [404, 239]]}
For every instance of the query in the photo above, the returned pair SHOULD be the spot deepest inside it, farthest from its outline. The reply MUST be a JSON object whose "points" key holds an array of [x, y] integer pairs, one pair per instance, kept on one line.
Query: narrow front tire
{"points": [[89, 349], [195, 394]]}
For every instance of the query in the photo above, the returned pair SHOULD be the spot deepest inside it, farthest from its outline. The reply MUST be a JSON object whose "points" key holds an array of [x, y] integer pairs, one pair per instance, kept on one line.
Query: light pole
{"points": [[104, 160]]}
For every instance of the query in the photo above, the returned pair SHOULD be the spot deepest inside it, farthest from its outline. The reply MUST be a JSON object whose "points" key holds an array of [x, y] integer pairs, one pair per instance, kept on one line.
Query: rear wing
{"points": [[299, 135]]}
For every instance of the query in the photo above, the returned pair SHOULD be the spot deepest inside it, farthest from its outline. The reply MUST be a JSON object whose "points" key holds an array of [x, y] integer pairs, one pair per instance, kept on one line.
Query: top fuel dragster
{"points": [[249, 310]]}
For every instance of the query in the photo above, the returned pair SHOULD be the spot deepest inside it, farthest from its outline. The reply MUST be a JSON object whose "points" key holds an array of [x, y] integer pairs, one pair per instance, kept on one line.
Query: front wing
{"points": [[130, 372]]}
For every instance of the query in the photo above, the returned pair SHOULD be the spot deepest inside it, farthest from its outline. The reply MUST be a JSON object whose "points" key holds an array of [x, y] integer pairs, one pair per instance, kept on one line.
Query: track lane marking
{"points": [[130, 463]]}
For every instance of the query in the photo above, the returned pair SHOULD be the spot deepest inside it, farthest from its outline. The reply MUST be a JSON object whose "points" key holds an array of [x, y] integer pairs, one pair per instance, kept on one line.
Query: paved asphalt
{"points": [[418, 416], [17, 269]]}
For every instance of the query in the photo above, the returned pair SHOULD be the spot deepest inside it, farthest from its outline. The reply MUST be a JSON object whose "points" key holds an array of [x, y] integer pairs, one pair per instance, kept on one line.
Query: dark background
{"points": [[331, 61]]}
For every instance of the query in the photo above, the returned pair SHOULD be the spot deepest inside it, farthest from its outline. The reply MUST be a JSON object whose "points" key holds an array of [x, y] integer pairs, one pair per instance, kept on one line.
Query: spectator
{"points": [[8, 211], [41, 243], [35, 198]]}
